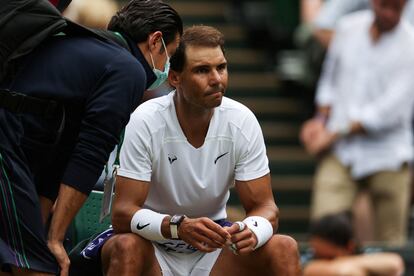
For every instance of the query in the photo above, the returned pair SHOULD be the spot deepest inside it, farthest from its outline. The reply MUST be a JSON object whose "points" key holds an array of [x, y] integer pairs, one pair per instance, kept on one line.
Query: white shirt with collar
{"points": [[373, 83]]}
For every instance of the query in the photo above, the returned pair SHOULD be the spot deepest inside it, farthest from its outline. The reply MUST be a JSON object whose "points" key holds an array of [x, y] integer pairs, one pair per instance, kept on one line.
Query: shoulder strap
{"points": [[114, 37], [24, 24]]}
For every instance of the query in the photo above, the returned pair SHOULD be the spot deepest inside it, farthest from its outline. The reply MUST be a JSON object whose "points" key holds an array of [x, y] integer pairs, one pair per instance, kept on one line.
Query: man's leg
{"points": [[391, 194], [279, 256], [334, 191], [129, 254], [22, 235]]}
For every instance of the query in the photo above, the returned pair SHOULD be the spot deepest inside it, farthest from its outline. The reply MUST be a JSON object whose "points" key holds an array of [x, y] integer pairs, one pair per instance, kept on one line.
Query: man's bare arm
{"points": [[130, 195], [68, 203], [381, 264], [257, 199]]}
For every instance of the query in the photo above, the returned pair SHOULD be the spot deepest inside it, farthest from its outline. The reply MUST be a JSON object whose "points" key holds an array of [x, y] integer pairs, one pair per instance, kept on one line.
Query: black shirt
{"points": [[99, 84]]}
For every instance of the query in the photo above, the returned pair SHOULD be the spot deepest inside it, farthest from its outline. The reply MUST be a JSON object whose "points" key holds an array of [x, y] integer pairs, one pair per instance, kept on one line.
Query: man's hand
{"points": [[57, 249], [315, 137], [203, 234], [310, 130], [243, 240]]}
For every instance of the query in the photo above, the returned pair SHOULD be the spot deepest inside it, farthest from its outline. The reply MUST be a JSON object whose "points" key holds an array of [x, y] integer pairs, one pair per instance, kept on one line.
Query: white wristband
{"points": [[261, 227], [147, 224]]}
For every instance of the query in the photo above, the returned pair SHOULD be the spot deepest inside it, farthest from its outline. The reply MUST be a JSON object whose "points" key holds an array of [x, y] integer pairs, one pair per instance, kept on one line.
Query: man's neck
{"points": [[194, 122], [375, 32]]}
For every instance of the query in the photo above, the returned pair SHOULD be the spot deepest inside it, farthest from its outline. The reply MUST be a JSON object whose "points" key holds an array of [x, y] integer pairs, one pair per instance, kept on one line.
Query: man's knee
{"points": [[284, 245], [126, 248]]}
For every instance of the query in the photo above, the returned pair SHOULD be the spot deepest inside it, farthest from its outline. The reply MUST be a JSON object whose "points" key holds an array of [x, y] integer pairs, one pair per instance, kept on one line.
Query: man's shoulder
{"points": [[355, 20], [230, 104], [236, 110], [93, 52], [156, 104], [152, 109]]}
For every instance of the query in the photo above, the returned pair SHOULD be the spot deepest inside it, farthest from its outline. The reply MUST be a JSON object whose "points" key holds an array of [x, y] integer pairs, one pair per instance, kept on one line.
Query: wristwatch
{"points": [[175, 222]]}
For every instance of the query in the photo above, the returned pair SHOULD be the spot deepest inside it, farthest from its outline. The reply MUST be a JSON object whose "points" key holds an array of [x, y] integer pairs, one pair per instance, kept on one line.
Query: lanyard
{"points": [[115, 165]]}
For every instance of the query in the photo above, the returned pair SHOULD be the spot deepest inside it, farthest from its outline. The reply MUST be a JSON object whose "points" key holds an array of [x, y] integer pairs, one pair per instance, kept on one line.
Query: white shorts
{"points": [[185, 264]]}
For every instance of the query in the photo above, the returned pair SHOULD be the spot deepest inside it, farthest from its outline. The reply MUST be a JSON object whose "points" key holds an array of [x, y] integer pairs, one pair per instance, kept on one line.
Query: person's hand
{"points": [[323, 141], [57, 249], [310, 131], [243, 240], [203, 234]]}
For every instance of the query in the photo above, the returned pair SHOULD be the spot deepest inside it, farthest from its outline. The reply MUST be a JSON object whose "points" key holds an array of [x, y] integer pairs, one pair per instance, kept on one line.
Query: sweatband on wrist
{"points": [[261, 227], [147, 224]]}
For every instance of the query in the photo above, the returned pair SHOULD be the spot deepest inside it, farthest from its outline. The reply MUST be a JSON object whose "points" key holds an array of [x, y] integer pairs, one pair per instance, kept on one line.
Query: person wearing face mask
{"points": [[61, 113], [182, 154], [162, 76]]}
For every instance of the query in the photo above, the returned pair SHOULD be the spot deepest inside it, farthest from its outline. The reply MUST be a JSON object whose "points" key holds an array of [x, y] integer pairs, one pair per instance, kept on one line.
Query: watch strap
{"points": [[175, 222]]}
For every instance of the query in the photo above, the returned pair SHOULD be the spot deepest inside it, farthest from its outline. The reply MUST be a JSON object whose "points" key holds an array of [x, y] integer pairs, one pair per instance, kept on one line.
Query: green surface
{"points": [[86, 222]]}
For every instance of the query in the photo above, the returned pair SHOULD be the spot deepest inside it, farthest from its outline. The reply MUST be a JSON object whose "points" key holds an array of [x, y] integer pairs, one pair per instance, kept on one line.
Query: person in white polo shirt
{"points": [[181, 154]]}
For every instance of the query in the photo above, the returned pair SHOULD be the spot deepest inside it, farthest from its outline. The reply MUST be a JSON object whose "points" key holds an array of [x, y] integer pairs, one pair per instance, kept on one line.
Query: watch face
{"points": [[176, 219]]}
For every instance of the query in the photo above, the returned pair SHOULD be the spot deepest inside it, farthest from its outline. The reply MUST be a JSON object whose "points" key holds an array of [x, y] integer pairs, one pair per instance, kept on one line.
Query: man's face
{"points": [[324, 249], [387, 13], [203, 81]]}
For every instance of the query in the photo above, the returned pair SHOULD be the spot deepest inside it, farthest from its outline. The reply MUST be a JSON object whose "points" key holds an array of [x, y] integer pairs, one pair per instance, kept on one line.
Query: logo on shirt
{"points": [[140, 227], [220, 156], [255, 223], [172, 158]]}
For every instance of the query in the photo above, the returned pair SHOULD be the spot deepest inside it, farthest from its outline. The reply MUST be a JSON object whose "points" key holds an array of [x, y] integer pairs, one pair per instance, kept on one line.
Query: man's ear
{"points": [[154, 41], [173, 78]]}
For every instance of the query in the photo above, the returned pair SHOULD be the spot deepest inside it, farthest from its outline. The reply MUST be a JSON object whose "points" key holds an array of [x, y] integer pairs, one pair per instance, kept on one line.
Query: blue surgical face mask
{"points": [[162, 76]]}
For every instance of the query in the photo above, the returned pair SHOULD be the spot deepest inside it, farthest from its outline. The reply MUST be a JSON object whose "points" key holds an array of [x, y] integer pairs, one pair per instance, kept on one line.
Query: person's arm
{"points": [[332, 268], [393, 107], [68, 203], [257, 199], [309, 9], [202, 233], [381, 264], [325, 138], [129, 196], [330, 13]]}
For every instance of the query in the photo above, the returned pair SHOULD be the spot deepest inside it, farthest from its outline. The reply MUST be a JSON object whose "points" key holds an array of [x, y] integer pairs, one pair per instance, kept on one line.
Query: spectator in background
{"points": [[362, 130], [91, 13], [322, 16], [324, 23], [334, 252]]}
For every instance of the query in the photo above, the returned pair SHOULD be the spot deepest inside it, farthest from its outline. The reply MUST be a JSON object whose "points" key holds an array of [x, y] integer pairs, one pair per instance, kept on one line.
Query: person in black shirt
{"points": [[54, 156]]}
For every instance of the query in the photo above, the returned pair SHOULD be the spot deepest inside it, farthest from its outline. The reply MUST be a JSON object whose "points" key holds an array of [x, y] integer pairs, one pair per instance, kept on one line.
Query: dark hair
{"points": [[196, 36], [140, 18], [335, 228]]}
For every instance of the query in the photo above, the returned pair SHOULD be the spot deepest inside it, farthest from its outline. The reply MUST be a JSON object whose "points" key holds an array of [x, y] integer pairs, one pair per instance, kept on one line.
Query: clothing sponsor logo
{"points": [[140, 227], [177, 246], [172, 158], [220, 156]]}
